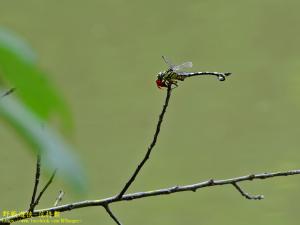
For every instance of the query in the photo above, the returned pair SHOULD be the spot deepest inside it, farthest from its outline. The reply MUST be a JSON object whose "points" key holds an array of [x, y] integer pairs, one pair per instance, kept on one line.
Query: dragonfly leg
{"points": [[175, 86], [172, 82]]}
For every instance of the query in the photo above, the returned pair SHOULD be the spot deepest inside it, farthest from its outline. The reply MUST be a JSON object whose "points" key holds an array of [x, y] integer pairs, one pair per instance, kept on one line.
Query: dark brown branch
{"points": [[147, 155], [45, 188], [246, 195], [36, 183], [165, 191], [111, 214]]}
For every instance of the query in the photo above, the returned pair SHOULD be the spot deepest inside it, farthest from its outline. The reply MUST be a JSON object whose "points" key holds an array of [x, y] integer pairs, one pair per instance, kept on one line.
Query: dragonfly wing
{"points": [[183, 66], [167, 61]]}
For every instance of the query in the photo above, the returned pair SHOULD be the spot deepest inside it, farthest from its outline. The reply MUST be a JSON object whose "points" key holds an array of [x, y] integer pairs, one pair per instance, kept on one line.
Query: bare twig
{"points": [[45, 188], [111, 214], [59, 197], [147, 155], [246, 195], [138, 195], [36, 183]]}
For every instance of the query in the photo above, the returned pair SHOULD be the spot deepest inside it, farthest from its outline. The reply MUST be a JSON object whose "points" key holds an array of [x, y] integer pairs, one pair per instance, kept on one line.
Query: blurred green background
{"points": [[104, 57]]}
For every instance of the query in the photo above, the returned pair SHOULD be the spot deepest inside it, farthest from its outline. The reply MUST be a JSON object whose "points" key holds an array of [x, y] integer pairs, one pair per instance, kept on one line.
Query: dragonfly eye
{"points": [[160, 83], [160, 75]]}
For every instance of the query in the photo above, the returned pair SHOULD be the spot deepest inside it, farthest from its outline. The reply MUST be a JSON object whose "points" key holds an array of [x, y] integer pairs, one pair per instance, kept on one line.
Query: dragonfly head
{"points": [[160, 75], [160, 81]]}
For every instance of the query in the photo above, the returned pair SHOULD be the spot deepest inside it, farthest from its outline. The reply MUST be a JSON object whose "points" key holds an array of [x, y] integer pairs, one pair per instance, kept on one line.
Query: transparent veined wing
{"points": [[182, 66], [167, 61], [177, 67]]}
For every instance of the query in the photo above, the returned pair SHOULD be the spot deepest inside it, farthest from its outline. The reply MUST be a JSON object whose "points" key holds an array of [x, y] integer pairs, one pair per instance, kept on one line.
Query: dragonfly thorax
{"points": [[160, 75]]}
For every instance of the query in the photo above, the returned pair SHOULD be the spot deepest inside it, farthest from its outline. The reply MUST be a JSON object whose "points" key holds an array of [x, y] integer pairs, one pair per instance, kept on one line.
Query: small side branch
{"points": [[147, 155], [36, 183], [245, 194], [111, 214], [45, 188], [59, 197], [35, 201]]}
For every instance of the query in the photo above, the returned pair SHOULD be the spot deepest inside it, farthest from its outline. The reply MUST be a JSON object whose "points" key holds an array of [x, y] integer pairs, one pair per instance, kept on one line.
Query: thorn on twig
{"points": [[251, 176], [36, 183], [265, 173], [172, 189], [111, 214], [175, 188], [211, 182], [245, 194]]}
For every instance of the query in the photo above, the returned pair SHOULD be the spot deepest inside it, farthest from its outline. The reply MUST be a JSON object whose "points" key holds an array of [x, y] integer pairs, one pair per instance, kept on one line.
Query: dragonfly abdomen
{"points": [[191, 74], [221, 76]]}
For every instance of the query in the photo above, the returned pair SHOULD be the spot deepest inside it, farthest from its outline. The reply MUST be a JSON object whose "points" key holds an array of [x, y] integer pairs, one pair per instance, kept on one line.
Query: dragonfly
{"points": [[175, 73]]}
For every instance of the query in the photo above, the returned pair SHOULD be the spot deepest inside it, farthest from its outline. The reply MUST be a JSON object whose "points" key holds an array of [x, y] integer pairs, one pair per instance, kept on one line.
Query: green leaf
{"points": [[54, 151], [38, 101], [18, 68], [15, 44]]}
